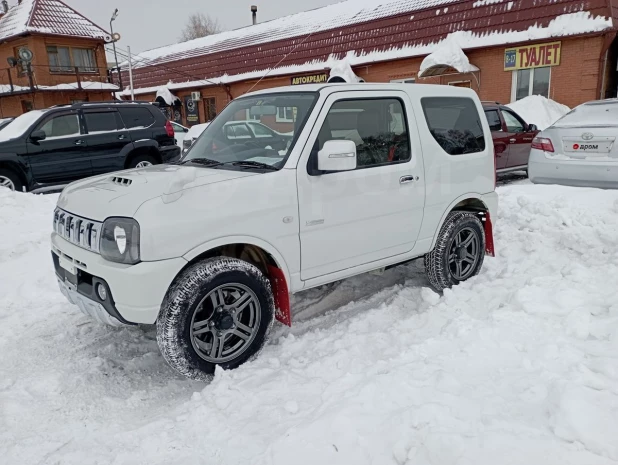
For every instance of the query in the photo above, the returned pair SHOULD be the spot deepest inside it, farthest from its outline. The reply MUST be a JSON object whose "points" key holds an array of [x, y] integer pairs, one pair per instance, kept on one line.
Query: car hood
{"points": [[123, 192]]}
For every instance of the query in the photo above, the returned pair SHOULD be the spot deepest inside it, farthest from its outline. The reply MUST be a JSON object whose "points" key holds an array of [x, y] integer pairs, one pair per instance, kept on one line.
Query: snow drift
{"points": [[518, 365], [539, 110]]}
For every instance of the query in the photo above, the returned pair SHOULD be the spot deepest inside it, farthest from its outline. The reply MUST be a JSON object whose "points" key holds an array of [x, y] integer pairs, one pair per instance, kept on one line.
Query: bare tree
{"points": [[199, 25]]}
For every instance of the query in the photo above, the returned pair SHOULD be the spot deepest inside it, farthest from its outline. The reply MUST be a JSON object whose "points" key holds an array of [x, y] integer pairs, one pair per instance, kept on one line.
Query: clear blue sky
{"points": [[146, 24]]}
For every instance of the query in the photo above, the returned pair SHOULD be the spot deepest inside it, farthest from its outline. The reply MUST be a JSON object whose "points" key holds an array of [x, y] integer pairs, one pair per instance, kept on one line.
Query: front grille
{"points": [[79, 231]]}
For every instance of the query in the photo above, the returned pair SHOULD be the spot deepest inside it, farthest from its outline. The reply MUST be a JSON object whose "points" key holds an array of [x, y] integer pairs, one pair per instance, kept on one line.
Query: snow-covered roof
{"points": [[85, 85], [165, 94], [297, 25], [52, 17]]}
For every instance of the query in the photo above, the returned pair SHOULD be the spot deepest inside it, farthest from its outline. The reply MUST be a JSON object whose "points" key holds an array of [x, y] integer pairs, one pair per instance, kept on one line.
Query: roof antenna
{"points": [[254, 14]]}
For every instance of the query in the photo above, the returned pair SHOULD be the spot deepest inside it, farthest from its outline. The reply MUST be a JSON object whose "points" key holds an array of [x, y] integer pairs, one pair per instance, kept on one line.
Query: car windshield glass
{"points": [[230, 137], [20, 125], [590, 115]]}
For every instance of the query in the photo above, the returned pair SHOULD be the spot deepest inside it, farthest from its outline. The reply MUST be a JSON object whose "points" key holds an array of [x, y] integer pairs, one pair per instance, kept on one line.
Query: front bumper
{"points": [[89, 307], [579, 173], [135, 292]]}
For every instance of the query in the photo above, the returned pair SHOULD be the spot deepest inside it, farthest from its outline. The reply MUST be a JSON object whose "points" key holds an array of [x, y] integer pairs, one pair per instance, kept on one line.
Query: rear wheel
{"points": [[9, 180], [142, 161], [459, 252], [218, 312]]}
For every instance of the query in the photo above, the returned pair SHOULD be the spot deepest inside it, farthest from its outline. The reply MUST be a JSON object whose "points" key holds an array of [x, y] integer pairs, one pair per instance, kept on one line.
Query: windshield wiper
{"points": [[254, 164], [203, 161]]}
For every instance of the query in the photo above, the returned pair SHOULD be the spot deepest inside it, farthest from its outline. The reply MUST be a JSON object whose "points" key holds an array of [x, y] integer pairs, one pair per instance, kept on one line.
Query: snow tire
{"points": [[437, 261], [14, 183], [189, 289]]}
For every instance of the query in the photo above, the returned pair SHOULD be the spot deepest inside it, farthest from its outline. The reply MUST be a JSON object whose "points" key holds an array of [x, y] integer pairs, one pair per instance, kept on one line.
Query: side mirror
{"points": [[185, 130], [337, 155], [532, 128], [37, 136]]}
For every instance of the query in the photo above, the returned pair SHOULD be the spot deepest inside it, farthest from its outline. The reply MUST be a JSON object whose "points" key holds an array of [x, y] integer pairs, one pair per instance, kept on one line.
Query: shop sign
{"points": [[532, 56], [310, 79], [193, 113]]}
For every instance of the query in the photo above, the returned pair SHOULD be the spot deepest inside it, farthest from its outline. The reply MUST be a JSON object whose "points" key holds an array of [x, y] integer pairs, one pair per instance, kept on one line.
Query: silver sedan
{"points": [[579, 149]]}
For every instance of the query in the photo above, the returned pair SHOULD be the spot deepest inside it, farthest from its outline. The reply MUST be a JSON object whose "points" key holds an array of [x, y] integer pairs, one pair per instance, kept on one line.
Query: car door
{"points": [[180, 132], [352, 218], [499, 136], [106, 139], [61, 157], [520, 140]]}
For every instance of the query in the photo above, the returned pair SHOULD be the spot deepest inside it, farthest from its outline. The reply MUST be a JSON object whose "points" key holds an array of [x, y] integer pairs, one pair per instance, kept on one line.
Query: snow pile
{"points": [[167, 96], [449, 53], [519, 363], [539, 110], [341, 71]]}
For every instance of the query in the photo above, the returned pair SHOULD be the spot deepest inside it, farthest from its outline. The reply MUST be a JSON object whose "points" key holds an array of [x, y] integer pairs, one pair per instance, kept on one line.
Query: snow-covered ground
{"points": [[518, 366]]}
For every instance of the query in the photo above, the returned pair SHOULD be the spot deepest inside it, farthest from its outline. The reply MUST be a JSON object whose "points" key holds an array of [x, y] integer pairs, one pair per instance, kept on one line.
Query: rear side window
{"points": [[455, 124], [136, 118], [493, 118], [101, 121]]}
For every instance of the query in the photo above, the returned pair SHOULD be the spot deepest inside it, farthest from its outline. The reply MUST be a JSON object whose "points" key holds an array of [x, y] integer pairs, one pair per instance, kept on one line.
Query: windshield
{"points": [[590, 115], [253, 132], [20, 125]]}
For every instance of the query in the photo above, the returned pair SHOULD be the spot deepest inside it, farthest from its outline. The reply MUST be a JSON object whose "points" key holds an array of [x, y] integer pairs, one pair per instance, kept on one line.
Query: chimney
{"points": [[254, 14]]}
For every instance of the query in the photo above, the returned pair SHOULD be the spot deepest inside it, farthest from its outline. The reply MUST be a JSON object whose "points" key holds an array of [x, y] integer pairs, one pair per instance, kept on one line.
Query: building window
{"points": [[66, 59], [533, 81], [285, 115], [210, 108], [26, 106], [410, 80]]}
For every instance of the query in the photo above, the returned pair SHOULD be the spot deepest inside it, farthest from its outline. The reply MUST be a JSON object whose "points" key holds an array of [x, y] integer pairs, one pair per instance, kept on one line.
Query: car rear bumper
{"points": [[579, 173], [134, 292], [170, 154]]}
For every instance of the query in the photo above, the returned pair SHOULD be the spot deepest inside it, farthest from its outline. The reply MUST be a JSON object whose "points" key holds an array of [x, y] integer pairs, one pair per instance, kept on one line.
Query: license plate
{"points": [[68, 266], [587, 147]]}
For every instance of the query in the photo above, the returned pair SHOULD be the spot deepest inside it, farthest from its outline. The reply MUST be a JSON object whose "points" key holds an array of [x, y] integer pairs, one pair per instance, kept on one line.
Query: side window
{"points": [[261, 131], [101, 122], [60, 126], [455, 124], [377, 126], [136, 118], [513, 124], [493, 118]]}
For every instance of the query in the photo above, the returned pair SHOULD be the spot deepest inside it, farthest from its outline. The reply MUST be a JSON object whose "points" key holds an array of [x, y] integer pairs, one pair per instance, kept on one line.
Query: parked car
{"points": [[579, 149], [5, 122], [45, 149], [180, 132], [192, 135], [512, 137], [209, 249]]}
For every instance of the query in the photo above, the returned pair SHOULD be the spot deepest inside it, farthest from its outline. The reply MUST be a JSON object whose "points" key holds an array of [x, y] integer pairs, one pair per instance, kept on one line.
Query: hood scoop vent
{"points": [[121, 181]]}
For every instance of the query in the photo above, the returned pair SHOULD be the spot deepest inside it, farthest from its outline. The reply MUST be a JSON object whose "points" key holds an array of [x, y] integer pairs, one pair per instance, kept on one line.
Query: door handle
{"points": [[407, 179], [512, 141], [122, 137], [80, 142]]}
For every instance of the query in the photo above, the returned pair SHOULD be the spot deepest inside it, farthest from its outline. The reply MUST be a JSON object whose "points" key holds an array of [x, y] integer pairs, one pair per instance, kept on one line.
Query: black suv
{"points": [[49, 148]]}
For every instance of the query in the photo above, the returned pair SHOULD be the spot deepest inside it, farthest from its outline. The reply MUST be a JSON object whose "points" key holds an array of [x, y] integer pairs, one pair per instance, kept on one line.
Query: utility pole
{"points": [[131, 74], [111, 29]]}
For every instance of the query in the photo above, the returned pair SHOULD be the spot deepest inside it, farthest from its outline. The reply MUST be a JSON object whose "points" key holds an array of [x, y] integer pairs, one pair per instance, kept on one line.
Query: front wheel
{"points": [[143, 161], [218, 312], [9, 180], [459, 251]]}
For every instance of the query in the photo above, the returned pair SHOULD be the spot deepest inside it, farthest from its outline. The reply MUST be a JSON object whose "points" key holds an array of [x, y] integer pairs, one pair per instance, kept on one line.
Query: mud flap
{"points": [[489, 235], [281, 295]]}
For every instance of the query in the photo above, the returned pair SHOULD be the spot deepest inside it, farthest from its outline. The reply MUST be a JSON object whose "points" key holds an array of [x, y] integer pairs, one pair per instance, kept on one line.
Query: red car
{"points": [[512, 137]]}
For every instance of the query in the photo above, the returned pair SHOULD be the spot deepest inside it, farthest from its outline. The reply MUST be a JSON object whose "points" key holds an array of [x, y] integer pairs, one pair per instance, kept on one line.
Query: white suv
{"points": [[210, 248]]}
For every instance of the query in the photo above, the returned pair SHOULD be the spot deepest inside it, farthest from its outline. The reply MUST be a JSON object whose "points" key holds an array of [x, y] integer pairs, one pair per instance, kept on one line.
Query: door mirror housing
{"points": [[337, 155], [532, 128], [37, 136]]}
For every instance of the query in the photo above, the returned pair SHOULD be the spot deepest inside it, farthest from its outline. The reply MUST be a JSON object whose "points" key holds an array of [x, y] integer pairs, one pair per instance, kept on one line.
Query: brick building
{"points": [[563, 49], [68, 61]]}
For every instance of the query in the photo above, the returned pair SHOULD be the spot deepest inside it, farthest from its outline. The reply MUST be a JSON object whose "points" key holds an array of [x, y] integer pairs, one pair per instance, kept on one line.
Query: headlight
{"points": [[120, 241]]}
